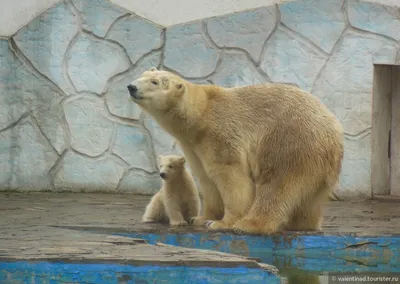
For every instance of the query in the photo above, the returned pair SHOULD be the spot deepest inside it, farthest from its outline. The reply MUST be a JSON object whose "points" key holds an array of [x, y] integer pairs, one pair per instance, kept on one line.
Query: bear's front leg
{"points": [[174, 212], [213, 207], [237, 191]]}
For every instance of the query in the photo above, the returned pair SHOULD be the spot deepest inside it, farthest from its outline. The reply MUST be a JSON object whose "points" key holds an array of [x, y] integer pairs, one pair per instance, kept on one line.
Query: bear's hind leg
{"points": [[155, 211], [273, 206], [308, 217]]}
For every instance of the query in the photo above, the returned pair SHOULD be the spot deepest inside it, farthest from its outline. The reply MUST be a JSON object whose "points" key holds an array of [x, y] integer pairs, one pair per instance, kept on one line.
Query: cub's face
{"points": [[169, 166], [156, 90]]}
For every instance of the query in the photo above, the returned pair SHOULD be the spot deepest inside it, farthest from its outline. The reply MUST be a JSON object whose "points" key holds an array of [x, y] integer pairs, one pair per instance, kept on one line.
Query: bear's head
{"points": [[170, 166], [157, 91]]}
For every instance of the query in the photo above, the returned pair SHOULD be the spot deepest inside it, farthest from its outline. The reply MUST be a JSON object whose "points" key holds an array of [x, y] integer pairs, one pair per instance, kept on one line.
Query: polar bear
{"points": [[266, 156], [178, 199]]}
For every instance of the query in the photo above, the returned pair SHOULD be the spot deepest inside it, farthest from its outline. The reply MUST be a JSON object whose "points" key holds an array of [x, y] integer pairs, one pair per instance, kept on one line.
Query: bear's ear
{"points": [[152, 69], [180, 87]]}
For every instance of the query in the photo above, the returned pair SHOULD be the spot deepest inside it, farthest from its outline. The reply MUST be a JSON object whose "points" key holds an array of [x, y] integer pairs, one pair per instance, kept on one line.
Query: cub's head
{"points": [[157, 91], [170, 165]]}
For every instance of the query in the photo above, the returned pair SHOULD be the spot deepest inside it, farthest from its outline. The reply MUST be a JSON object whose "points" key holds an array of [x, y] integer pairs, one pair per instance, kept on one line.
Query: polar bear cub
{"points": [[178, 199]]}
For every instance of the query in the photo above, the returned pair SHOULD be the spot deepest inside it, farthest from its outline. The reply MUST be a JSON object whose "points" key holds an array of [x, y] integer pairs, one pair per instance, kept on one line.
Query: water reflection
{"points": [[296, 276]]}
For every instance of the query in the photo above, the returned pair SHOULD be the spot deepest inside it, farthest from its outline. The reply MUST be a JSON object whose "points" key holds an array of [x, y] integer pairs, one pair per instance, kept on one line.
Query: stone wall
{"points": [[66, 122]]}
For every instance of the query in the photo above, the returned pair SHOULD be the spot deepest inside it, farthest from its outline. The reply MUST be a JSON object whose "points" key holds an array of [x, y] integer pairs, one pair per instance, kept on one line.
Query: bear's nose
{"points": [[132, 89], [163, 175]]}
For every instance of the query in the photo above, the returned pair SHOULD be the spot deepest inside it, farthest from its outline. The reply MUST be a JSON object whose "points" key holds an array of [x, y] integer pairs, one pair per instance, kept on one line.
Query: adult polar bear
{"points": [[266, 156]]}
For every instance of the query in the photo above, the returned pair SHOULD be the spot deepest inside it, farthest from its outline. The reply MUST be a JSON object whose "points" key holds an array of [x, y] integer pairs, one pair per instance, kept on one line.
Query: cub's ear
{"points": [[182, 160], [152, 69]]}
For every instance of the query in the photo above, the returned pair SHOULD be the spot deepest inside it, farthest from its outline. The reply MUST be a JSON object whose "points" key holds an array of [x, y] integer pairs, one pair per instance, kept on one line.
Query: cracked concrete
{"points": [[230, 50]]}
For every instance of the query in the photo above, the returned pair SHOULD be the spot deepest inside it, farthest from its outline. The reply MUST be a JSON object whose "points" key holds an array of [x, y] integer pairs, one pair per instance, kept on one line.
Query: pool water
{"points": [[300, 258], [58, 272]]}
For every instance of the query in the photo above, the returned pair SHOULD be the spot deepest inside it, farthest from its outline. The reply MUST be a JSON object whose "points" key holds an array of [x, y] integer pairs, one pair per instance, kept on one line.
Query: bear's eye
{"points": [[170, 166], [154, 82]]}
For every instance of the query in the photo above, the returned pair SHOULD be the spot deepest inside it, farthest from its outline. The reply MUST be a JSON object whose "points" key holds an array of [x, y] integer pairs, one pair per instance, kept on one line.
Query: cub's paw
{"points": [[197, 221], [178, 223], [148, 220], [216, 225]]}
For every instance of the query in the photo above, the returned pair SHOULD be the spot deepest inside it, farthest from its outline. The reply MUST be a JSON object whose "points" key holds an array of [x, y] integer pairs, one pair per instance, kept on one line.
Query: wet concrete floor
{"points": [[41, 226]]}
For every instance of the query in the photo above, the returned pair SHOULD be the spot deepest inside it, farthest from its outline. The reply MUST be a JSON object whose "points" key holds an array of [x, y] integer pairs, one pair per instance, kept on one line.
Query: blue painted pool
{"points": [[52, 273], [309, 253], [299, 258]]}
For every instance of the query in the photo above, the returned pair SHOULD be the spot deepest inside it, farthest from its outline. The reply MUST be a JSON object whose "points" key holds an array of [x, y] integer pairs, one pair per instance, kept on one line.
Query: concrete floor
{"points": [[48, 225], [32, 228]]}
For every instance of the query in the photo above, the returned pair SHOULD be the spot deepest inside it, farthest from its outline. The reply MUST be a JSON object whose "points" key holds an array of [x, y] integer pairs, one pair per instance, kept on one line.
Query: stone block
{"points": [[50, 119], [287, 59], [237, 70], [187, 52], [21, 92], [375, 18], [246, 30], [90, 130], [355, 178], [12, 105], [98, 15], [92, 63], [137, 36], [25, 158], [139, 182], [131, 145], [45, 40], [345, 84], [78, 173], [320, 21]]}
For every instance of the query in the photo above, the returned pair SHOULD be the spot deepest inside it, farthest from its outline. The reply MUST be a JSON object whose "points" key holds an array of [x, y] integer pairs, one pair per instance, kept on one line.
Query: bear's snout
{"points": [[132, 88], [163, 175], [133, 91]]}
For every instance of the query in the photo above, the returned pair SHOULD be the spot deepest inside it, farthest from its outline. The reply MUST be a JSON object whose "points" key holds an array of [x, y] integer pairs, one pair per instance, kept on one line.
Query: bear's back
{"points": [[283, 113], [271, 102]]}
